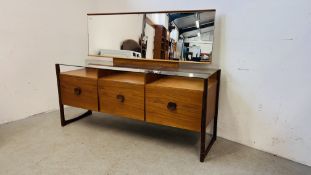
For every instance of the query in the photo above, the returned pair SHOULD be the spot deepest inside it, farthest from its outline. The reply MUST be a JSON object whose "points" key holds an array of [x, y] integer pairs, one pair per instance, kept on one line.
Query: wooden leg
{"points": [[204, 151], [63, 121]]}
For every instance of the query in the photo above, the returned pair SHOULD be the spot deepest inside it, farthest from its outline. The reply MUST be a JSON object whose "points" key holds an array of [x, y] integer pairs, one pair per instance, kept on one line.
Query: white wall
{"points": [[159, 19], [205, 46], [263, 48], [109, 31], [174, 34], [34, 35], [150, 33]]}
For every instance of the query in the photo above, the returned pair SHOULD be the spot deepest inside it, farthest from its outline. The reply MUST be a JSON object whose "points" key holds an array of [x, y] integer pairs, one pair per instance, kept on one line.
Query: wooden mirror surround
{"points": [[163, 38]]}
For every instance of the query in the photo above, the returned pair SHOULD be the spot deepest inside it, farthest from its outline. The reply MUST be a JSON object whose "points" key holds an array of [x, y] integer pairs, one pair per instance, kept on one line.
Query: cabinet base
{"points": [[204, 121]]}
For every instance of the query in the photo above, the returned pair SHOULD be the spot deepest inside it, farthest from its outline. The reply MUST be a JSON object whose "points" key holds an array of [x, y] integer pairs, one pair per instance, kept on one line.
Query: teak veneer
{"points": [[123, 94], [184, 95], [79, 88]]}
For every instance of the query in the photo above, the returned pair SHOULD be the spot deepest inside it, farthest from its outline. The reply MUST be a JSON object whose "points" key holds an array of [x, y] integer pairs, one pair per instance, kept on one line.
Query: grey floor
{"points": [[102, 144]]}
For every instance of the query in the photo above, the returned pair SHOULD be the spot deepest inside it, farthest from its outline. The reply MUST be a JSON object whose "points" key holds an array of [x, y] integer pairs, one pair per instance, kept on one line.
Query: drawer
{"points": [[123, 94], [176, 102], [79, 89]]}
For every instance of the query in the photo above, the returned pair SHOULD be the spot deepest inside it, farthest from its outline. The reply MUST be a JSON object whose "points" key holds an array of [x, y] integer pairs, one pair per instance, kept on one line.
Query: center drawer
{"points": [[122, 94]]}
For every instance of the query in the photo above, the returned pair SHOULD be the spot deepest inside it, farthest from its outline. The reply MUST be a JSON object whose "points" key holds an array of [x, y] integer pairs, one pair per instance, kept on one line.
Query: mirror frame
{"points": [[150, 12]]}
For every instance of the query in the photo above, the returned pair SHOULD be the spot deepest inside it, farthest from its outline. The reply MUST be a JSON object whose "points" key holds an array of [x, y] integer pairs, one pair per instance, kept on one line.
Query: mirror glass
{"points": [[178, 36]]}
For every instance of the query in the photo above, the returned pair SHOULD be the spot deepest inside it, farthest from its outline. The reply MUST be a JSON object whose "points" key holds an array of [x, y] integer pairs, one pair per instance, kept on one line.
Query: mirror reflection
{"points": [[180, 36]]}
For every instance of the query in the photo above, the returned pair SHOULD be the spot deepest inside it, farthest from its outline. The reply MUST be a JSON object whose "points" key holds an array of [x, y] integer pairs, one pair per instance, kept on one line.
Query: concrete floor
{"points": [[102, 144]]}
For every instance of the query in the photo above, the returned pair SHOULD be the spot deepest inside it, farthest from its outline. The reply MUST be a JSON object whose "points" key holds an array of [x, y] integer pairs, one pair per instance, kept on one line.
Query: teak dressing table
{"points": [[139, 67], [165, 95]]}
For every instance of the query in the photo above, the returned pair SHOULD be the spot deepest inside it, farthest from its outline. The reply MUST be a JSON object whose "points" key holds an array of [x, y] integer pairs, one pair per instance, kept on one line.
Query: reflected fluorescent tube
{"points": [[199, 34], [197, 23]]}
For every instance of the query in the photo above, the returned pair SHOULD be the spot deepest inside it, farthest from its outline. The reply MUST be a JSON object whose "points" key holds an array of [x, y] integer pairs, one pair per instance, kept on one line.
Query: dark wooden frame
{"points": [[63, 120], [204, 150], [169, 11]]}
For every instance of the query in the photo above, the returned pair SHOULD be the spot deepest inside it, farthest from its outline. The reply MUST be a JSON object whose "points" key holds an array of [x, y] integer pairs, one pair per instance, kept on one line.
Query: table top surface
{"points": [[182, 72]]}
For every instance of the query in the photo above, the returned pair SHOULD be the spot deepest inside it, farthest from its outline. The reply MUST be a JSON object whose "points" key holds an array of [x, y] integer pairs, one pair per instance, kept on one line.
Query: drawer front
{"points": [[124, 99], [174, 107], [79, 92]]}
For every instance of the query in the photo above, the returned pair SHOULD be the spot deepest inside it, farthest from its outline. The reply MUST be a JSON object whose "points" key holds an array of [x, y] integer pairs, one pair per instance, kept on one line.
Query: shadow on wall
{"points": [[229, 111], [218, 38]]}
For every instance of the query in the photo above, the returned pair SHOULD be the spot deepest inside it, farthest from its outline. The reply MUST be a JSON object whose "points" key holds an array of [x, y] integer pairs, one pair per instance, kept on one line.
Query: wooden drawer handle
{"points": [[171, 106], [77, 91], [120, 98]]}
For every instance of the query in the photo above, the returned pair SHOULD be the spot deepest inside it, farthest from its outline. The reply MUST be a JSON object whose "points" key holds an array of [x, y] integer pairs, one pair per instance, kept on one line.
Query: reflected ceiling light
{"points": [[199, 34], [197, 23]]}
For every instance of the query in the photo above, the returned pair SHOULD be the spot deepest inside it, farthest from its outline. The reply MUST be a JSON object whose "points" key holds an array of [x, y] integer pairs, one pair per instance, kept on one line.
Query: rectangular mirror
{"points": [[176, 36]]}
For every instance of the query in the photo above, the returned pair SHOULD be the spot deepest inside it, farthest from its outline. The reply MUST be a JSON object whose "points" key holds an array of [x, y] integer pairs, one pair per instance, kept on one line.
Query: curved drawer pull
{"points": [[77, 91], [171, 106], [120, 98]]}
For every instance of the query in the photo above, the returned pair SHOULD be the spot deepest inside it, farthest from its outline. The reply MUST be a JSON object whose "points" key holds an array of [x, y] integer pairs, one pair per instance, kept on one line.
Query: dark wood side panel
{"points": [[211, 100]]}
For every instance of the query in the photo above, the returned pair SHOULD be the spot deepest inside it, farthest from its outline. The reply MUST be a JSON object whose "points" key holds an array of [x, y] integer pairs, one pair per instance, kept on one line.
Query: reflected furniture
{"points": [[161, 43]]}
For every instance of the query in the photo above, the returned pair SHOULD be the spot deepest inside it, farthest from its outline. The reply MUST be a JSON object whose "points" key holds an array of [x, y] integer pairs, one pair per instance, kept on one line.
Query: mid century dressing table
{"points": [[155, 91]]}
